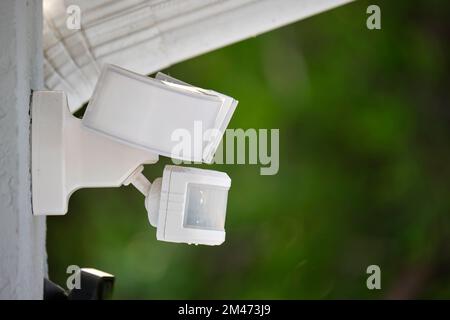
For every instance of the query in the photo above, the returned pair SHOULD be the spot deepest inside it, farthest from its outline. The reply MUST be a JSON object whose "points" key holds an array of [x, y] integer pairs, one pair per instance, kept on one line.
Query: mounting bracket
{"points": [[67, 156]]}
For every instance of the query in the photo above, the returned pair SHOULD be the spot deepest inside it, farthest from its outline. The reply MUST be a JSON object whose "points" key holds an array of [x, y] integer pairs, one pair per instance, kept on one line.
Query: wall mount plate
{"points": [[66, 156]]}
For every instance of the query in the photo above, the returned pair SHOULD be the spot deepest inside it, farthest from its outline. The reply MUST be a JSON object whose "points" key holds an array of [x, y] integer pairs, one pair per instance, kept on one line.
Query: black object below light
{"points": [[94, 285]]}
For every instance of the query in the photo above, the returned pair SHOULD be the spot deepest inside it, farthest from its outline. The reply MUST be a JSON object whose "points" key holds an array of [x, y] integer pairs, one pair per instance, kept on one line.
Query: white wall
{"points": [[22, 236]]}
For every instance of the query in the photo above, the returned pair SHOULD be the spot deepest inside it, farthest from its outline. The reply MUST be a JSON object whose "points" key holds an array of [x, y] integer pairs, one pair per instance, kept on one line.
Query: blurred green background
{"points": [[364, 170]]}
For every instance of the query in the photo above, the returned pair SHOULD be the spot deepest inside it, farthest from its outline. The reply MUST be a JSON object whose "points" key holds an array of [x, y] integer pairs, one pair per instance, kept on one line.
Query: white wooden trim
{"points": [[148, 35], [22, 236]]}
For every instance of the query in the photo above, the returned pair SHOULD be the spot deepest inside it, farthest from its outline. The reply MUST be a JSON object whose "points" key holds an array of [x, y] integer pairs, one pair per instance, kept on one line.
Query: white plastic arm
{"points": [[139, 181]]}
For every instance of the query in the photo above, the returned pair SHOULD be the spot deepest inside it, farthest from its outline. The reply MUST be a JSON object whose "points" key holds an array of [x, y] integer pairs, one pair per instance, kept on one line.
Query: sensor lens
{"points": [[205, 207]]}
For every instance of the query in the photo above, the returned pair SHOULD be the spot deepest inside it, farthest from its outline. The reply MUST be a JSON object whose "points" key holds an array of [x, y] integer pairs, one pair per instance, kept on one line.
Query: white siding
{"points": [[22, 236]]}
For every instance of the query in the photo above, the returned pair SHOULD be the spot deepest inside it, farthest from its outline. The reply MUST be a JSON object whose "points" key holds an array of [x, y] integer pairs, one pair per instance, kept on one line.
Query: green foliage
{"points": [[364, 170]]}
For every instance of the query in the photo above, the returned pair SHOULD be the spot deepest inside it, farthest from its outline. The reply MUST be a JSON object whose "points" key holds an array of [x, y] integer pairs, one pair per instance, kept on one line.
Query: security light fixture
{"points": [[129, 122]]}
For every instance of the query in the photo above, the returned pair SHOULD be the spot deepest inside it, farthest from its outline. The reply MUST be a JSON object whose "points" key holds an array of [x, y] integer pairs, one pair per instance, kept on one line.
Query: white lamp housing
{"points": [[147, 113], [189, 205]]}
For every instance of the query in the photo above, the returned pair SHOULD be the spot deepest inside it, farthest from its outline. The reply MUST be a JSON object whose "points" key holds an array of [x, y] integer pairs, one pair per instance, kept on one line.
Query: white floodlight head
{"points": [[189, 205], [147, 112]]}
